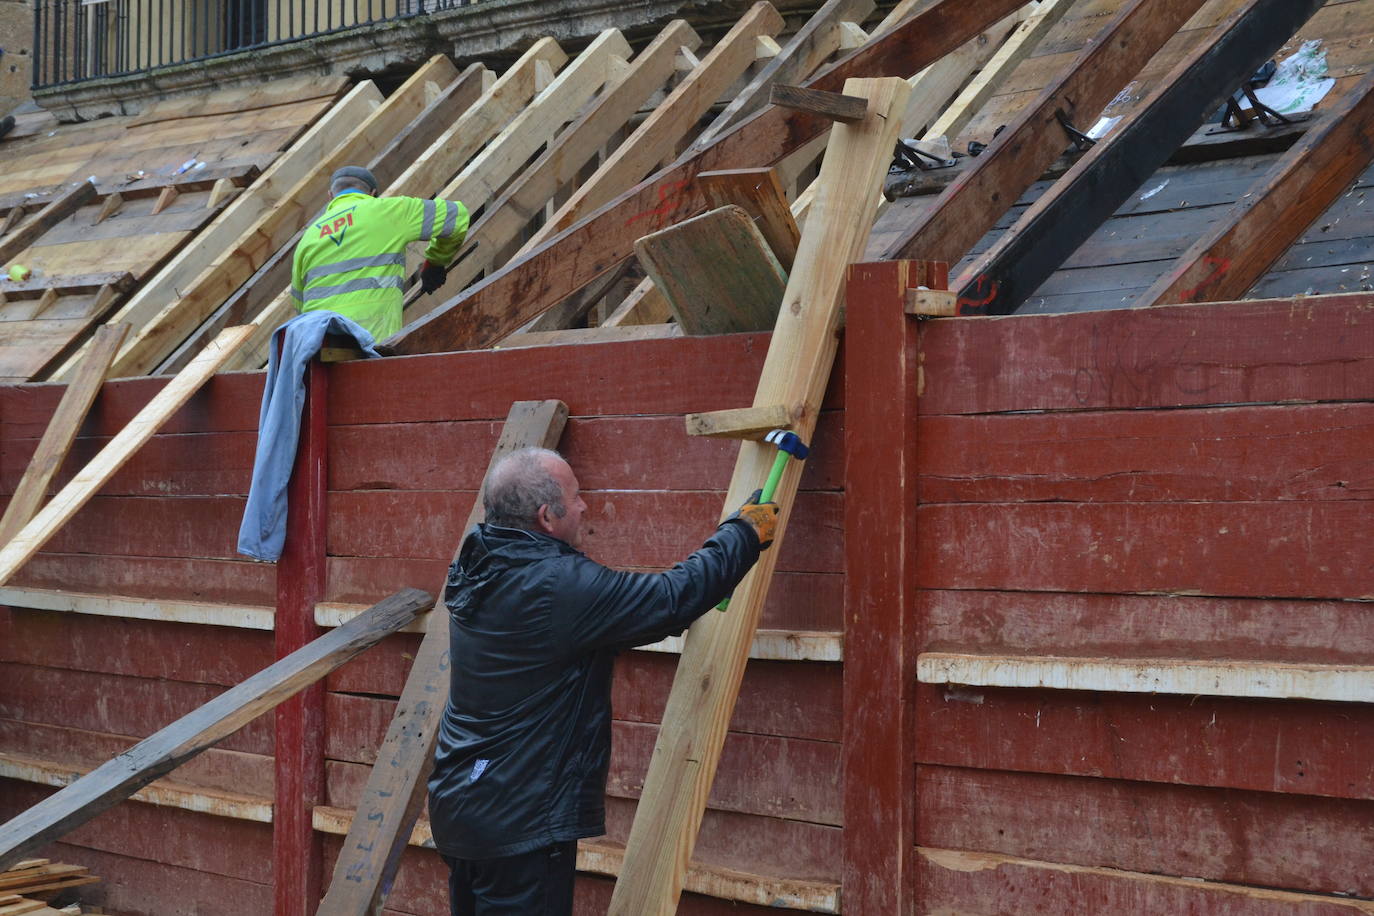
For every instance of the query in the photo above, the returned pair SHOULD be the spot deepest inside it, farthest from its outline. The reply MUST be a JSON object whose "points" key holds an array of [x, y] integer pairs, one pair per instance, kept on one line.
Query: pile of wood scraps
{"points": [[22, 886]]}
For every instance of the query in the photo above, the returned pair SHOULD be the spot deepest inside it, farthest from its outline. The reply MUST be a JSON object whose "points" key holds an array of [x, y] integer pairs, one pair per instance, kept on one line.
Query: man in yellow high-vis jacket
{"points": [[352, 258]]}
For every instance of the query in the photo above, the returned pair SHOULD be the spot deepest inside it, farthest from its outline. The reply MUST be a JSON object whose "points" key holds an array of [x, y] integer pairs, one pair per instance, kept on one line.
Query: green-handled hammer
{"points": [[789, 446]]}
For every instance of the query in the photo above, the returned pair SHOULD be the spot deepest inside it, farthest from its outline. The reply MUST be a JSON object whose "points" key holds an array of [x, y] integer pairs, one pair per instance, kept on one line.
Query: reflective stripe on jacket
{"points": [[352, 257]]}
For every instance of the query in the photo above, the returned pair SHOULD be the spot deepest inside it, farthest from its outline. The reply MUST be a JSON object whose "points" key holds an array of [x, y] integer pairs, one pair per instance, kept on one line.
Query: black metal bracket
{"points": [[1236, 119], [908, 156], [1081, 141]]}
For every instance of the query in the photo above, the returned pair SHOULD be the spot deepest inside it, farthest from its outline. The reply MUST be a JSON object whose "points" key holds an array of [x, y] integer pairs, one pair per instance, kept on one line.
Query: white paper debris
{"points": [[1099, 130], [1300, 81], [1155, 190]]}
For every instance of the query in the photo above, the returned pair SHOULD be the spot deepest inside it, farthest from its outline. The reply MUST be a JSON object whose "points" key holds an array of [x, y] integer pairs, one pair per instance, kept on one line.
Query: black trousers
{"points": [[538, 883]]}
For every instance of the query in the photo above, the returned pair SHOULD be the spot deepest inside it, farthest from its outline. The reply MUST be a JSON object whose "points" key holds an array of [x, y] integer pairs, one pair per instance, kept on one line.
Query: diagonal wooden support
{"points": [[970, 206], [390, 803], [1107, 175], [117, 451], [163, 751], [61, 432], [32, 229], [795, 374], [507, 299], [1242, 246]]}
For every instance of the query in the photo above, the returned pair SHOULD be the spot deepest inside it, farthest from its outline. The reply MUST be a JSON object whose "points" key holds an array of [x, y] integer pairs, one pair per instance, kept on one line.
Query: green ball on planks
{"points": [[19, 273]]}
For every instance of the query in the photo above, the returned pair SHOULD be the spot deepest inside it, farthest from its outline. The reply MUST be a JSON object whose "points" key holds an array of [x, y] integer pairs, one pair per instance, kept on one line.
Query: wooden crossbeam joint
{"points": [[931, 303], [742, 423], [836, 106]]}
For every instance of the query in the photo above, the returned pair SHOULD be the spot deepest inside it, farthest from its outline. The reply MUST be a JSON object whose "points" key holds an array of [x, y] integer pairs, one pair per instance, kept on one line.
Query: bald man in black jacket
{"points": [[525, 742]]}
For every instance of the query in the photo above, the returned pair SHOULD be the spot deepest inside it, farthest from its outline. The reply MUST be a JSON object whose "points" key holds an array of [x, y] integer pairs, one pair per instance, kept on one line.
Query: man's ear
{"points": [[542, 517]]}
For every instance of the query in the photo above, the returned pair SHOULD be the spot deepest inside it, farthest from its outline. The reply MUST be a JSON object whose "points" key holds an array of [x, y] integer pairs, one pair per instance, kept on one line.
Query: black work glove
{"points": [[432, 277], [762, 517]]}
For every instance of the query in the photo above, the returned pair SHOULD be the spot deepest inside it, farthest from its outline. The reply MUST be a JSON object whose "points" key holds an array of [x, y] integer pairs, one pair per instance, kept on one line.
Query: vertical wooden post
{"points": [[296, 850], [880, 585]]}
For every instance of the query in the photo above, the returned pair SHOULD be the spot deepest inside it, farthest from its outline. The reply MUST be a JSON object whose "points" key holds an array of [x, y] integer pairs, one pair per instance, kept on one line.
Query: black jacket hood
{"points": [[488, 553]]}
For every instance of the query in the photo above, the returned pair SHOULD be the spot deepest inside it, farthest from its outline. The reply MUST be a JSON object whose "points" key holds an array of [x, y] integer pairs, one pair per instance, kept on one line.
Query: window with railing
{"points": [[78, 40]]}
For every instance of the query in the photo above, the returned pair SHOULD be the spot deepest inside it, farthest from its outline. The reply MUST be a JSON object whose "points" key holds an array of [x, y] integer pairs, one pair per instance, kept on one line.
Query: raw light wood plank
{"points": [[971, 205], [29, 231], [795, 374], [739, 423], [506, 98], [1210, 677], [390, 805], [716, 271], [227, 228], [528, 285], [804, 52], [1242, 246], [163, 751], [119, 449], [61, 432], [604, 333], [1066, 215], [990, 78], [675, 116], [568, 153]]}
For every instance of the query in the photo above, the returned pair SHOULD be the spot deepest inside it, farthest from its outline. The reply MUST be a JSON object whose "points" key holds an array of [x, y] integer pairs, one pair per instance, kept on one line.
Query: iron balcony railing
{"points": [[75, 40]]}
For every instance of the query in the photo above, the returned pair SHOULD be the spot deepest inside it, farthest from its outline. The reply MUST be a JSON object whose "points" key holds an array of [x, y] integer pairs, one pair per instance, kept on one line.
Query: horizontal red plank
{"points": [[765, 845], [796, 600], [778, 777], [226, 581], [132, 885], [593, 897], [188, 527], [1149, 626], [117, 705], [227, 402], [1276, 549], [224, 846], [1297, 842], [189, 464], [786, 699], [140, 648], [1317, 349], [214, 768], [644, 528], [608, 453], [1294, 452], [678, 376], [986, 885], [1263, 745]]}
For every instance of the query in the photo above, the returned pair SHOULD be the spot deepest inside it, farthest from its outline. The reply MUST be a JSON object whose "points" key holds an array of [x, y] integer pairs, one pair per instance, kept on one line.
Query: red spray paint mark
{"points": [[1219, 268], [669, 197], [971, 301]]}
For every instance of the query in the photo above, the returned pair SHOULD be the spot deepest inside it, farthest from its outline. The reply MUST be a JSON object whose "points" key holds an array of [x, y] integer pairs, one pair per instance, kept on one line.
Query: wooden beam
{"points": [[806, 50], [166, 199], [830, 105], [716, 271], [61, 432], [567, 154], [601, 334], [1241, 246], [931, 303], [655, 138], [224, 232], [395, 789], [1108, 174], [739, 423], [881, 590], [166, 749], [112, 204], [452, 102], [116, 452], [511, 296], [1008, 57], [795, 374], [1187, 676], [32, 229], [971, 206]]}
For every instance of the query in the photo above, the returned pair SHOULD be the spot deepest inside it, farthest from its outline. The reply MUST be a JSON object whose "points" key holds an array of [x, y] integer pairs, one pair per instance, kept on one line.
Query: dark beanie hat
{"points": [[357, 172]]}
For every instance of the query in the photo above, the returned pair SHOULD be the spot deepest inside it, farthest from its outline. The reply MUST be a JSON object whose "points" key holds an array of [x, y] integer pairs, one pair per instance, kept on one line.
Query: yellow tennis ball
{"points": [[19, 273]]}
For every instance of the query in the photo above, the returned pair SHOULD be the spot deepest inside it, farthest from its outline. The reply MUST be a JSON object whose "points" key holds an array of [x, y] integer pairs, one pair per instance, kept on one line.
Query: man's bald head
{"points": [[518, 485]]}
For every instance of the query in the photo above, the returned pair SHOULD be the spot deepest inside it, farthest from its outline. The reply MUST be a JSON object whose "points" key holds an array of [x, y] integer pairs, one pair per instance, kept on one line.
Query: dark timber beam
{"points": [[1020, 154], [490, 310], [1105, 178], [1242, 246]]}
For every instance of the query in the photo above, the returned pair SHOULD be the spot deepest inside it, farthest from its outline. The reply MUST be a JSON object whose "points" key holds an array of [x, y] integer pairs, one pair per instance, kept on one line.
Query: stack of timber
{"points": [[39, 878], [91, 211]]}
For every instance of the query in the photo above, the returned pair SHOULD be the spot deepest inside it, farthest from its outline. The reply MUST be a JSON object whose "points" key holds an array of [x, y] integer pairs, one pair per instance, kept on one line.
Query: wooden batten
{"points": [[740, 423]]}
